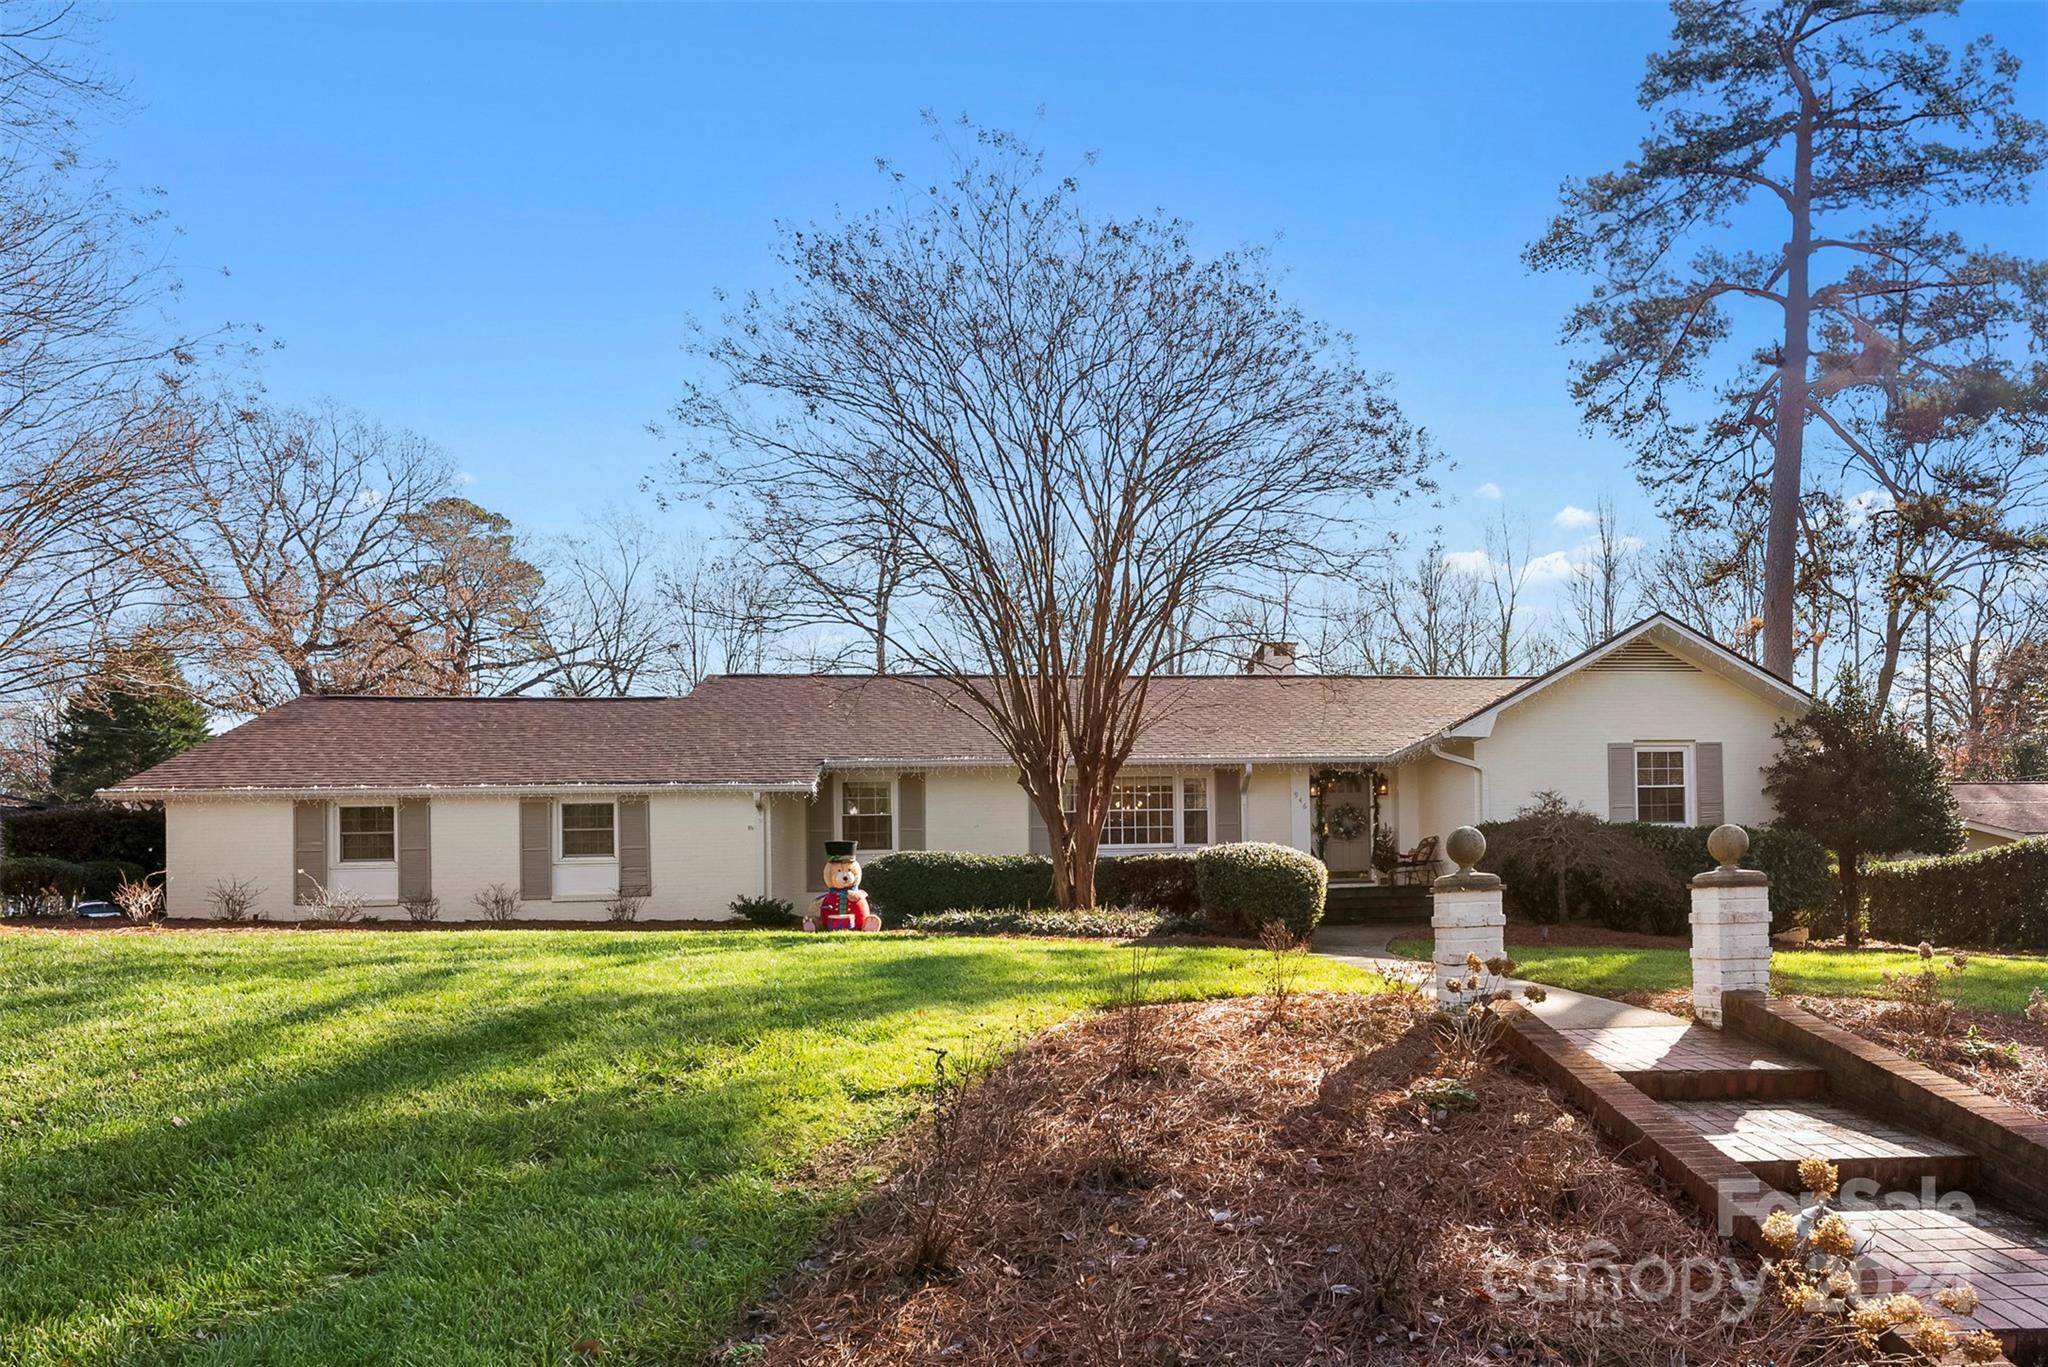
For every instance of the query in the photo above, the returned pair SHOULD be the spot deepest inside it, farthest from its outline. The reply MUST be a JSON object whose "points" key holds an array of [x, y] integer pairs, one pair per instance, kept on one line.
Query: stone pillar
{"points": [[1731, 927], [1468, 919]]}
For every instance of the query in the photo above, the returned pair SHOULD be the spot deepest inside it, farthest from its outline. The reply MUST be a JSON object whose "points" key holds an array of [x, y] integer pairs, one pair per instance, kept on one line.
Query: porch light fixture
{"points": [[1379, 785]]}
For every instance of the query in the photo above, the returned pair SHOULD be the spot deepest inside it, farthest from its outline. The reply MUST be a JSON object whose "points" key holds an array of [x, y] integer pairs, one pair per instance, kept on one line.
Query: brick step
{"points": [[2001, 1254], [1690, 1062], [1769, 1138], [1359, 904]]}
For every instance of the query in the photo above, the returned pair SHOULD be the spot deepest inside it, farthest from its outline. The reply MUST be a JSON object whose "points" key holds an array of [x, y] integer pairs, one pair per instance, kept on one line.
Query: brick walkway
{"points": [[1769, 1138], [2004, 1256], [1759, 1110], [1929, 1225]]}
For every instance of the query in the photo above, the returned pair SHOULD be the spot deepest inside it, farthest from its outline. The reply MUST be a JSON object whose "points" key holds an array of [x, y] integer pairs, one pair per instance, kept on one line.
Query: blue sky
{"points": [[490, 224]]}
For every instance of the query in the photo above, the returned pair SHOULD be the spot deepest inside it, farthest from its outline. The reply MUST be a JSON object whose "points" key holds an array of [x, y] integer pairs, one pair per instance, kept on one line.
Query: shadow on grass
{"points": [[418, 1110]]}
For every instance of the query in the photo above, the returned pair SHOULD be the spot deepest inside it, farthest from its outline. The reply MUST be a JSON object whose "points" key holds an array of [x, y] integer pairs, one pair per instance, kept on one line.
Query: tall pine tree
{"points": [[1801, 156]]}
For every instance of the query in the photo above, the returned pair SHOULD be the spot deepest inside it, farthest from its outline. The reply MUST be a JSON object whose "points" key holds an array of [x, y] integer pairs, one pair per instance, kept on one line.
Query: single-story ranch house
{"points": [[690, 802]]}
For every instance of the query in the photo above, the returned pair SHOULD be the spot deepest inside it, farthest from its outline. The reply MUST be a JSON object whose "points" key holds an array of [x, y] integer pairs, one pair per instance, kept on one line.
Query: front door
{"points": [[1346, 797]]}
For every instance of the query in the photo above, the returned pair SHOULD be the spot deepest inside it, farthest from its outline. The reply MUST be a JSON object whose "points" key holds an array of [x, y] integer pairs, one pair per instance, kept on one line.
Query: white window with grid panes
{"points": [[1664, 784], [366, 835], [1153, 812], [867, 814]]}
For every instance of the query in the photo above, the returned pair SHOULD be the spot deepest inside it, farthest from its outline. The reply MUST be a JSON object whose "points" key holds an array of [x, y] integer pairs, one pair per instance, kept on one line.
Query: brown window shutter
{"points": [[1708, 790], [1226, 811], [415, 850], [636, 863], [536, 850], [910, 811], [1621, 783], [309, 851]]}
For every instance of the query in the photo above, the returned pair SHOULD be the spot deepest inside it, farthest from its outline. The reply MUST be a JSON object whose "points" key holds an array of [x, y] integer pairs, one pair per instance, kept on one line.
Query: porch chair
{"points": [[1418, 865]]}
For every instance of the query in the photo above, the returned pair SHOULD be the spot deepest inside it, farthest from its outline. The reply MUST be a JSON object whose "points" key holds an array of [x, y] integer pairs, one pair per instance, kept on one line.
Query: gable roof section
{"points": [[2009, 809], [1656, 644], [770, 732]]}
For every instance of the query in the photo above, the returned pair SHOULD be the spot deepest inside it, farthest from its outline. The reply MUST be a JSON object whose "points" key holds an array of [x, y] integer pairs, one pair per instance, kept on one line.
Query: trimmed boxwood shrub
{"points": [[88, 831], [1243, 886], [1992, 899], [919, 882], [1164, 882]]}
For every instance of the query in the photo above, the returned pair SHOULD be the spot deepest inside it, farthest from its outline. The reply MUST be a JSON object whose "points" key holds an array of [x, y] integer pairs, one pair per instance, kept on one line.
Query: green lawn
{"points": [[465, 1147], [1994, 982]]}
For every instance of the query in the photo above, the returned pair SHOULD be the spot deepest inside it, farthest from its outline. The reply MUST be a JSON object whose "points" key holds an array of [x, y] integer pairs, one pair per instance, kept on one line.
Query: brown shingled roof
{"points": [[2017, 807], [775, 730]]}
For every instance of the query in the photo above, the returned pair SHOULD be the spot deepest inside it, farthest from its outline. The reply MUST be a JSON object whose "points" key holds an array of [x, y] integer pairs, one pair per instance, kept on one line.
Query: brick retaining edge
{"points": [[1723, 1188], [2012, 1144]]}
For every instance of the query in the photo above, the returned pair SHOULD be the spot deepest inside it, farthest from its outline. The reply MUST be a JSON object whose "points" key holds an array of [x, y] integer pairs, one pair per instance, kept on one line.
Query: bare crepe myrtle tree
{"points": [[1074, 429], [1800, 154]]}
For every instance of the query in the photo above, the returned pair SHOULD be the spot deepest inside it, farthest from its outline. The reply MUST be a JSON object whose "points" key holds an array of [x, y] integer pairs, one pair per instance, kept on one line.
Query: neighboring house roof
{"points": [[2015, 810], [774, 731]]}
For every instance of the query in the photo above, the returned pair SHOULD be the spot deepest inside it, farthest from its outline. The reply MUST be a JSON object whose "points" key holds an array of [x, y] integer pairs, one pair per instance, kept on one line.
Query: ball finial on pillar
{"points": [[1727, 845], [1466, 847]]}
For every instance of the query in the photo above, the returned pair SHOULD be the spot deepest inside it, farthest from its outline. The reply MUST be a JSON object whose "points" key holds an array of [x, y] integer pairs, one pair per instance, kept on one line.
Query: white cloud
{"points": [[1556, 565], [1488, 490], [1478, 564], [1859, 508], [463, 479], [1573, 518]]}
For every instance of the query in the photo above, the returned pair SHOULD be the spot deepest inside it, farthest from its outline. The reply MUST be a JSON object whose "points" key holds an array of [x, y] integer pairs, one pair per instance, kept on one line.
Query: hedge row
{"points": [[1651, 895], [1992, 899], [89, 831], [1103, 923], [1234, 888], [35, 875]]}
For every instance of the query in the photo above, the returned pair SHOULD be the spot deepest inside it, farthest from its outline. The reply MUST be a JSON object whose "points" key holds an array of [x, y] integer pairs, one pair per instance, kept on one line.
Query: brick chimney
{"points": [[1271, 657]]}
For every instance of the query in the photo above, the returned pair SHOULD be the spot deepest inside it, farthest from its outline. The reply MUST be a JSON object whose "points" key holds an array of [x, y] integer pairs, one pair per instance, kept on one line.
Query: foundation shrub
{"points": [[1247, 885]]}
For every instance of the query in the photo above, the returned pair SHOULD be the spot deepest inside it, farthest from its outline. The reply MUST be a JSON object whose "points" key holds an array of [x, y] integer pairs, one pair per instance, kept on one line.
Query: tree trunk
{"points": [[1085, 843], [1781, 542], [1852, 897]]}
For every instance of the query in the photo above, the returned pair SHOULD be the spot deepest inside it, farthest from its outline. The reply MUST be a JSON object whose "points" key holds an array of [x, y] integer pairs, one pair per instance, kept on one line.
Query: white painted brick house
{"points": [[692, 801]]}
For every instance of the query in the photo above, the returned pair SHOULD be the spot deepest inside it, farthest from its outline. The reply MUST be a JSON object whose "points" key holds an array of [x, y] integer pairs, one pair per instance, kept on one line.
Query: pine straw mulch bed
{"points": [[2000, 1055], [1218, 1182]]}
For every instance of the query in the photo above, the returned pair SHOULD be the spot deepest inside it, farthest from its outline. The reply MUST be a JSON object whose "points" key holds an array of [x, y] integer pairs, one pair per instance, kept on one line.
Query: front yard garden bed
{"points": [[1245, 1182]]}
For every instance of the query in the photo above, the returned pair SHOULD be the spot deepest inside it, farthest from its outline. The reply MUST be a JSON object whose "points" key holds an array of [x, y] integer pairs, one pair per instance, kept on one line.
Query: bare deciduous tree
{"points": [[719, 616], [605, 610], [289, 566], [1602, 591], [1421, 616], [89, 420], [1077, 427]]}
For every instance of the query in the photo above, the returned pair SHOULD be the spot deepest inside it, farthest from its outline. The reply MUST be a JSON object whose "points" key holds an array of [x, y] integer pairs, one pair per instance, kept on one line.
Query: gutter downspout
{"points": [[1478, 777], [767, 812]]}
